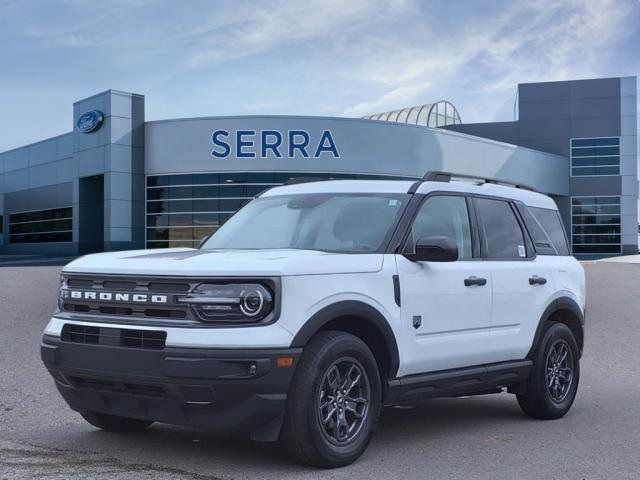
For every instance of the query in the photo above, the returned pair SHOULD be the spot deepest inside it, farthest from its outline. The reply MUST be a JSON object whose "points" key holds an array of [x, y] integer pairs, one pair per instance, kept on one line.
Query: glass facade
{"points": [[595, 225], [53, 225], [595, 156], [431, 115], [183, 209]]}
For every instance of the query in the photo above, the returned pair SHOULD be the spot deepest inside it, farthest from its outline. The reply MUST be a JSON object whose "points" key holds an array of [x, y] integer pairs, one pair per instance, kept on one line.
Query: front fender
{"points": [[356, 309]]}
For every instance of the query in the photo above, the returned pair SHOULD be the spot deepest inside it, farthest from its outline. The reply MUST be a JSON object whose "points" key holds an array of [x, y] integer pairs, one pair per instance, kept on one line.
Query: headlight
{"points": [[231, 302]]}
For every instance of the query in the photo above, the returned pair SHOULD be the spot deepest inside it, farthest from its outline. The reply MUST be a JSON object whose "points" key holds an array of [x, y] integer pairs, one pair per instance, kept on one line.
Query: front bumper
{"points": [[241, 391]]}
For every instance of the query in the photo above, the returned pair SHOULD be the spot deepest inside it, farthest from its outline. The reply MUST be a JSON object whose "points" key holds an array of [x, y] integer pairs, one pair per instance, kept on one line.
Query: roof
{"points": [[533, 199], [342, 186]]}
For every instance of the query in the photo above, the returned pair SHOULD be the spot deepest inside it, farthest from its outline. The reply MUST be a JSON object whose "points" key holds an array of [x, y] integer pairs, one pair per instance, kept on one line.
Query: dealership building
{"points": [[116, 181]]}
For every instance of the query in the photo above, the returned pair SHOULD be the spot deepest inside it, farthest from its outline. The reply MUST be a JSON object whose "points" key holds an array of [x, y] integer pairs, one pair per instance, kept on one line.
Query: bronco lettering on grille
{"points": [[115, 297]]}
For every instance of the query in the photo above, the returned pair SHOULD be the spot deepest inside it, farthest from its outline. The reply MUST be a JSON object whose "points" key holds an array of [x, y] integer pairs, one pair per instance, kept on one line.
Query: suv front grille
{"points": [[80, 334], [115, 337], [118, 387], [114, 296], [147, 339], [126, 311]]}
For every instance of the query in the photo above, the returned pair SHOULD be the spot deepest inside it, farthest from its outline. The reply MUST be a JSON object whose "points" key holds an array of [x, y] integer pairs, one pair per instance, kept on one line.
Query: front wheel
{"points": [[334, 401], [553, 382]]}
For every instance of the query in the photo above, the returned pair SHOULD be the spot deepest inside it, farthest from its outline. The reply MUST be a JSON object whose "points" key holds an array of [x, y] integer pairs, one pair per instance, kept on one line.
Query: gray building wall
{"points": [[63, 171], [364, 146], [47, 175], [551, 113], [500, 131], [629, 162], [34, 177], [117, 152]]}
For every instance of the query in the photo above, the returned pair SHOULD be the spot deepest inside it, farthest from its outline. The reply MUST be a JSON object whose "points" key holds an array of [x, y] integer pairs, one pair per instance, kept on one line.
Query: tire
{"points": [[112, 423], [344, 437], [547, 394]]}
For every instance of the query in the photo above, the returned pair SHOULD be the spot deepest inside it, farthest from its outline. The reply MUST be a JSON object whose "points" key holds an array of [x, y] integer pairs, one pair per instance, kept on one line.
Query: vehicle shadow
{"points": [[200, 452]]}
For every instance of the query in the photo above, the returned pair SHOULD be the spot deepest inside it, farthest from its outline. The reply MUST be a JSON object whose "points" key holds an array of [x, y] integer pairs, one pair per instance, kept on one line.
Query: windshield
{"points": [[347, 223]]}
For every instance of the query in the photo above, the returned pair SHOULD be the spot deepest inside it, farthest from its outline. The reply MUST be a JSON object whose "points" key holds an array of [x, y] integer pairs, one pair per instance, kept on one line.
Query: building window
{"points": [[595, 225], [595, 156], [38, 226], [183, 209]]}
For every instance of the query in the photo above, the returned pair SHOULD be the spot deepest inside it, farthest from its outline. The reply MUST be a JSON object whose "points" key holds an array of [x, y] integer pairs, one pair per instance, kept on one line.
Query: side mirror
{"points": [[434, 249]]}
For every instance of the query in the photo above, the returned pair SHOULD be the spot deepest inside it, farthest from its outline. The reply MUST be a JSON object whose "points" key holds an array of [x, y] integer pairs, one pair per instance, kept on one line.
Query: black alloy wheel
{"points": [[343, 400], [559, 374]]}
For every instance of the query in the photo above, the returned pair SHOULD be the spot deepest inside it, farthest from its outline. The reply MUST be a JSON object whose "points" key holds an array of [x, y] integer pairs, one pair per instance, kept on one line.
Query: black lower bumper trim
{"points": [[242, 391]]}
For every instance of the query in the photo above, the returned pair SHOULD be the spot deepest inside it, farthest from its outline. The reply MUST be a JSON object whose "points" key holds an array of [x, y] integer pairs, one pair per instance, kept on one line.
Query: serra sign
{"points": [[273, 143]]}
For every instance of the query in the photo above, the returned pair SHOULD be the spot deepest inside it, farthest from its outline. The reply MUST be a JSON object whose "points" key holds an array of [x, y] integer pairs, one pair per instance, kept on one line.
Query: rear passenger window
{"points": [[550, 221], [500, 230]]}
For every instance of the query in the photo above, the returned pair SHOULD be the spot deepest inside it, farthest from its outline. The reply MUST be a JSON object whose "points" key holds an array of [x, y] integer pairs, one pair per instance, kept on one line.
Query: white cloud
{"points": [[269, 26], [402, 95], [322, 57], [540, 40]]}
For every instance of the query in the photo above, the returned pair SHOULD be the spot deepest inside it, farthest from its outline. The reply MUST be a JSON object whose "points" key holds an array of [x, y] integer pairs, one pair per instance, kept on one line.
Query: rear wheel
{"points": [[553, 383], [334, 401], [112, 423]]}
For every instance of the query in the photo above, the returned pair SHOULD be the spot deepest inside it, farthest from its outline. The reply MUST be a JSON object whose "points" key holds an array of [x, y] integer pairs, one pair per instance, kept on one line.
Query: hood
{"points": [[203, 263]]}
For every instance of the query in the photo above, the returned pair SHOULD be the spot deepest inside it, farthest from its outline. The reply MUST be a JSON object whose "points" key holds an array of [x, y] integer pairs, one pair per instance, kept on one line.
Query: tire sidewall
{"points": [[556, 332], [344, 346]]}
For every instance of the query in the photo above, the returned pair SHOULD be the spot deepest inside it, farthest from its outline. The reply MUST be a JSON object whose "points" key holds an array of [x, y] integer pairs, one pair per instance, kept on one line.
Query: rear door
{"points": [[522, 283], [446, 306]]}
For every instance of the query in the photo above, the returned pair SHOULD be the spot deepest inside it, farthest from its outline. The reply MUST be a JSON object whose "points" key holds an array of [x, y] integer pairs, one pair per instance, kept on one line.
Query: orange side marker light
{"points": [[284, 362]]}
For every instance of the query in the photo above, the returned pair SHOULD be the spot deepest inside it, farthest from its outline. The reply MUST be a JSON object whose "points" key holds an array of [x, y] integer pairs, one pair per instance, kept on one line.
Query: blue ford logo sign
{"points": [[90, 121]]}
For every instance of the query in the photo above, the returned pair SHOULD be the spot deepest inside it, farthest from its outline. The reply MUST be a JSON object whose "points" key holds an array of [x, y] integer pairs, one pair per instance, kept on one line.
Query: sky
{"points": [[315, 57]]}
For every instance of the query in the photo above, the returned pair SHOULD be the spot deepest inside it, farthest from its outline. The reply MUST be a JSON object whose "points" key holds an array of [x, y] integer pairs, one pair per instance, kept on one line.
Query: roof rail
{"points": [[437, 176]]}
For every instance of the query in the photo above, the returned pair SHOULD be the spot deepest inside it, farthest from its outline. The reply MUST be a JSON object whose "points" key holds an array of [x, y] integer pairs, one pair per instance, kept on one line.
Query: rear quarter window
{"points": [[550, 221], [546, 230], [541, 241]]}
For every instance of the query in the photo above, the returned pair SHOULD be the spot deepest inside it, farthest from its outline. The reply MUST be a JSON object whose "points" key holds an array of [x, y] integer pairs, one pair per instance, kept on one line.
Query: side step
{"points": [[459, 381]]}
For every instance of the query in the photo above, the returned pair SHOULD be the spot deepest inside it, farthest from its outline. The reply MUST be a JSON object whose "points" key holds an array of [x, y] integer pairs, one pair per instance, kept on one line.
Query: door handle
{"points": [[536, 280], [469, 282]]}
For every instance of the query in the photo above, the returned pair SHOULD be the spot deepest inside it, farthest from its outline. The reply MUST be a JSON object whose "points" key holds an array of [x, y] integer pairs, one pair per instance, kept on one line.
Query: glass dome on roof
{"points": [[430, 115]]}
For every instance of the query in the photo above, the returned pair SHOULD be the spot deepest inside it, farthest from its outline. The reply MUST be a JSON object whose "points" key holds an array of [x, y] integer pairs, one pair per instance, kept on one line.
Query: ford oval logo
{"points": [[90, 121]]}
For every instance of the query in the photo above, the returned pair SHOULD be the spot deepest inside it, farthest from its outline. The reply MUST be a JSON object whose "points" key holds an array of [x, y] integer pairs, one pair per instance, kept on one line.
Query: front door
{"points": [[446, 306]]}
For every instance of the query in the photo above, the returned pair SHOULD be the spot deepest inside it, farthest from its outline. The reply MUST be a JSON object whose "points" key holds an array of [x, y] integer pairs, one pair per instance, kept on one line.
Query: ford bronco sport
{"points": [[317, 304]]}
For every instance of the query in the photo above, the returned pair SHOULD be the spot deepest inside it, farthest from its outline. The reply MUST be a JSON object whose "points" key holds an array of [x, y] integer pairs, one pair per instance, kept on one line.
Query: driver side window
{"points": [[444, 215]]}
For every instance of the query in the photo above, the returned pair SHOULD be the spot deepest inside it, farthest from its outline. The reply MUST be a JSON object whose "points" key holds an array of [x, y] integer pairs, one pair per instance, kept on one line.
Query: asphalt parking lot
{"points": [[484, 437]]}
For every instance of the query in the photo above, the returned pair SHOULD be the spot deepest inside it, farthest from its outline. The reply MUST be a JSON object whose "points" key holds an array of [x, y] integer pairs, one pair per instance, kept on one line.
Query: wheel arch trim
{"points": [[351, 308], [557, 305]]}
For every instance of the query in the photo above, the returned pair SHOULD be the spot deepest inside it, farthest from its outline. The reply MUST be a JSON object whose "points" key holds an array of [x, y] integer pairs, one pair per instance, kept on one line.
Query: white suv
{"points": [[320, 302]]}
